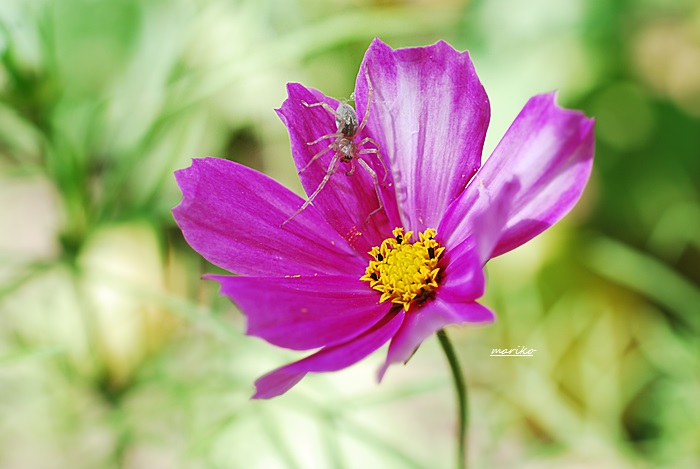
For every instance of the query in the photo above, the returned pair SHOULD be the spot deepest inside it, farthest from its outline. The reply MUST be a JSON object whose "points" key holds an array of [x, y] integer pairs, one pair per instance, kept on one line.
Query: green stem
{"points": [[462, 401]]}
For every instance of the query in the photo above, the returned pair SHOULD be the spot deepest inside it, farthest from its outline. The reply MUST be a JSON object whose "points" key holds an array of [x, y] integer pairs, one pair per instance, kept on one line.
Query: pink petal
{"points": [[482, 227], [302, 313], [345, 201], [329, 358], [426, 321], [231, 215], [548, 153], [430, 115], [462, 279]]}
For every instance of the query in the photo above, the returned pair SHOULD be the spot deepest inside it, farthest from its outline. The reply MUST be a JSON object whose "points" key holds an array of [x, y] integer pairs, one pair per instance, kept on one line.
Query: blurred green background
{"points": [[113, 352]]}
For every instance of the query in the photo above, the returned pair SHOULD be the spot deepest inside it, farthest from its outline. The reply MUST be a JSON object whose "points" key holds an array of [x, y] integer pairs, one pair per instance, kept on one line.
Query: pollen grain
{"points": [[405, 272]]}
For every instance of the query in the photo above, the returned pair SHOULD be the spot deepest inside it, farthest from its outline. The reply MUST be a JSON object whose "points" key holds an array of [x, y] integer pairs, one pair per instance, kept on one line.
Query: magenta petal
{"points": [[426, 321], [231, 215], [463, 277], [328, 359], [345, 201], [548, 151], [430, 115], [483, 225], [302, 313]]}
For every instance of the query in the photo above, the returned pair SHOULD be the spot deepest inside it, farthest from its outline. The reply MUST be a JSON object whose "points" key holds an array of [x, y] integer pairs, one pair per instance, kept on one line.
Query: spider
{"points": [[345, 149]]}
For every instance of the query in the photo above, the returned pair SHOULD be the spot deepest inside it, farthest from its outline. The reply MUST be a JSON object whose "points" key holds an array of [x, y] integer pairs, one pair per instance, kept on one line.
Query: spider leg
{"points": [[328, 108], [370, 90], [338, 118], [323, 105], [352, 168], [334, 135], [316, 156], [331, 170], [372, 173], [365, 151]]}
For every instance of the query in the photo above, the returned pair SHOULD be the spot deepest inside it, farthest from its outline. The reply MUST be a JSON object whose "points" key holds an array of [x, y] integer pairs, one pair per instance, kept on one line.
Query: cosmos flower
{"points": [[333, 279]]}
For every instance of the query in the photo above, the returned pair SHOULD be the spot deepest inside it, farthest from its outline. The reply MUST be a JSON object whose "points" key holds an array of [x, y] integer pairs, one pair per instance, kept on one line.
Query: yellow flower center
{"points": [[402, 271]]}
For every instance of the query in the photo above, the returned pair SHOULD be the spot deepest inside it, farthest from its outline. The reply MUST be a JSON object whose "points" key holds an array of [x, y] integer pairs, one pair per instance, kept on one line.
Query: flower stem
{"points": [[462, 400]]}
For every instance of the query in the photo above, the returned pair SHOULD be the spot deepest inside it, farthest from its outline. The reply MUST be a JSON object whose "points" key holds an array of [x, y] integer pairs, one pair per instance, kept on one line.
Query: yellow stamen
{"points": [[405, 272]]}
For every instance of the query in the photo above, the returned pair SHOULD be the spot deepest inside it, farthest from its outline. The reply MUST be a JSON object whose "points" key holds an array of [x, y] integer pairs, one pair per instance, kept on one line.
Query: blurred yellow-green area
{"points": [[115, 354]]}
